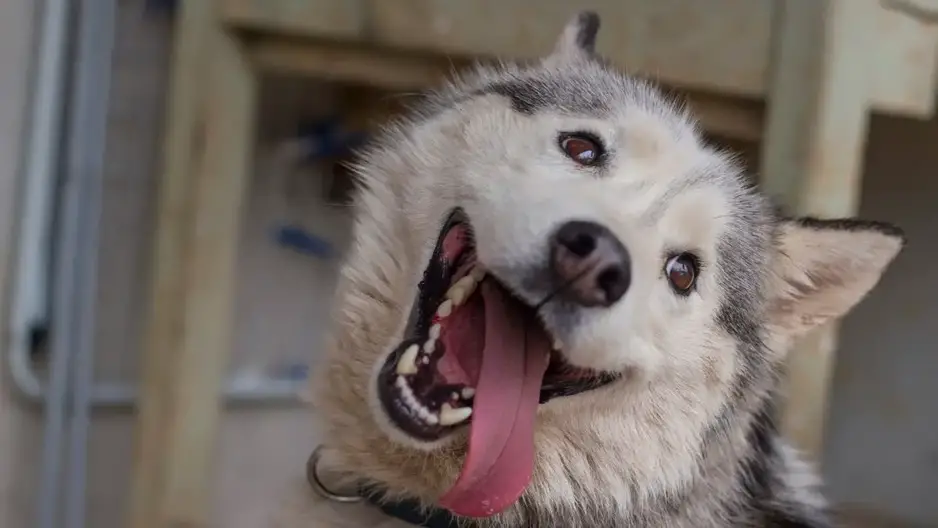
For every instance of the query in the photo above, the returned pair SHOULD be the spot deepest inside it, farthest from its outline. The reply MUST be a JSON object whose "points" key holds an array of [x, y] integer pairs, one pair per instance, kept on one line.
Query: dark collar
{"points": [[411, 511]]}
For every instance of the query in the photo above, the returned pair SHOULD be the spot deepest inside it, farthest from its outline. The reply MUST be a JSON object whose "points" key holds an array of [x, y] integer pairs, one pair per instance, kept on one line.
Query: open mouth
{"points": [[476, 354], [428, 383]]}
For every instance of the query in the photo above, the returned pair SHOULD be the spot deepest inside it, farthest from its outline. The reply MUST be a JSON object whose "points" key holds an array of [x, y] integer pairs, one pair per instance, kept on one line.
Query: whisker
{"points": [[558, 289]]}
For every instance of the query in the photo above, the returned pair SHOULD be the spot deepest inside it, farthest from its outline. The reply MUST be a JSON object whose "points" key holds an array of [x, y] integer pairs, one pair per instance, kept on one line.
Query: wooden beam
{"points": [[350, 63], [719, 46], [812, 158], [187, 339], [392, 70]]}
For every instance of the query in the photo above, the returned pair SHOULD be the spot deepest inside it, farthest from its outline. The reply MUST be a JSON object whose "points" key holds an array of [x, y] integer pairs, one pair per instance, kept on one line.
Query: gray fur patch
{"points": [[588, 23], [533, 95]]}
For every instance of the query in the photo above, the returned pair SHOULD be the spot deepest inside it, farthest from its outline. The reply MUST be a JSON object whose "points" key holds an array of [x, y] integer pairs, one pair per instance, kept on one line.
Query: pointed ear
{"points": [[579, 36], [823, 268]]}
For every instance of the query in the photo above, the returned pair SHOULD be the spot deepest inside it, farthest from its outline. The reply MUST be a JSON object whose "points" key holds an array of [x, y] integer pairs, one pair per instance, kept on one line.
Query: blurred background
{"points": [[173, 211]]}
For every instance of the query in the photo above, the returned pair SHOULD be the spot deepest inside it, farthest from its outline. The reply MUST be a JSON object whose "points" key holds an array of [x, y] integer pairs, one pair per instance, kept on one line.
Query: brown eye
{"points": [[581, 149], [681, 271]]}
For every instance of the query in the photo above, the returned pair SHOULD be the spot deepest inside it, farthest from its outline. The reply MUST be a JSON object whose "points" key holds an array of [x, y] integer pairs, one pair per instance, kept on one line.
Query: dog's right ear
{"points": [[823, 268], [578, 39]]}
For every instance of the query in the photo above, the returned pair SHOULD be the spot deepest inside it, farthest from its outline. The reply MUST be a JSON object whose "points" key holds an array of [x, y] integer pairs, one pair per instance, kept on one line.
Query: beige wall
{"points": [[884, 442]]}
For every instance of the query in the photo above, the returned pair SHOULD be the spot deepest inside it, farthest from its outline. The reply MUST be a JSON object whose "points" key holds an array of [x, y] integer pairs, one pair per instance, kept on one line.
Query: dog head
{"points": [[556, 287]]}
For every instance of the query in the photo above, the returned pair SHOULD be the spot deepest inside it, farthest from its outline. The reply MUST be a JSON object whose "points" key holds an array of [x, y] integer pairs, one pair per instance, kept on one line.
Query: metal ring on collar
{"points": [[312, 475]]}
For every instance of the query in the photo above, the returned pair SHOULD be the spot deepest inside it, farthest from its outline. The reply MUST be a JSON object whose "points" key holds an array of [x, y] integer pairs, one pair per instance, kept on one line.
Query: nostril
{"points": [[613, 281], [578, 237], [590, 264], [581, 245]]}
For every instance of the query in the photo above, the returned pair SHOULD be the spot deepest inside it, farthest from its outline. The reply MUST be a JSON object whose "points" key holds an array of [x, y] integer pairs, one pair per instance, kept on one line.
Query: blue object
{"points": [[166, 6], [297, 238], [326, 138], [291, 371], [322, 139]]}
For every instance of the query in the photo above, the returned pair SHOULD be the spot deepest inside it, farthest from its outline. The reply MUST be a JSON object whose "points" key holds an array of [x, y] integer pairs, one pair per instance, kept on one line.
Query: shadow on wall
{"points": [[882, 443]]}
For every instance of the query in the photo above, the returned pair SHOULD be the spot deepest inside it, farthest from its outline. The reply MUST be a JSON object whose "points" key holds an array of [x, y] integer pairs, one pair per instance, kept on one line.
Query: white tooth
{"points": [[477, 273], [429, 346], [445, 309], [451, 416], [425, 360], [468, 392], [467, 282], [468, 286], [422, 412], [429, 417], [405, 389], [408, 362], [435, 331], [557, 344], [457, 294]]}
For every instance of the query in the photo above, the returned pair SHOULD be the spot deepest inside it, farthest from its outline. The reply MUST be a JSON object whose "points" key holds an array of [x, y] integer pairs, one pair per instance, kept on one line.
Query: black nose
{"points": [[591, 263]]}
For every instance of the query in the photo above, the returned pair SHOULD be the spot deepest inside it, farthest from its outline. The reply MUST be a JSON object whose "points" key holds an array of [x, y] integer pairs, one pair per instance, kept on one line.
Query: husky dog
{"points": [[563, 308]]}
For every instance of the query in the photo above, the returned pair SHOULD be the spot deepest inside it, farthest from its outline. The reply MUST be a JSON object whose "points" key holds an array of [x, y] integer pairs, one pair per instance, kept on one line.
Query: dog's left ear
{"points": [[823, 268], [578, 38]]}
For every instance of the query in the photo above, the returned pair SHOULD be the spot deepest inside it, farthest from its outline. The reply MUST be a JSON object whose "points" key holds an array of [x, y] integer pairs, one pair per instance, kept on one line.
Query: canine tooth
{"points": [[408, 362], [435, 331], [445, 309], [465, 287], [468, 392], [451, 416], [429, 346], [457, 294]]}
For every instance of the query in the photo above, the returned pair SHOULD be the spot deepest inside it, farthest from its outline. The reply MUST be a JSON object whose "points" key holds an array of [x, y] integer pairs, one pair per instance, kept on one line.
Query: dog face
{"points": [[556, 288]]}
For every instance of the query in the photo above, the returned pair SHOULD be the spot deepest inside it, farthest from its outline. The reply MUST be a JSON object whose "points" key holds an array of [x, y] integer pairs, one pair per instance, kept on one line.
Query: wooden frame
{"points": [[207, 150], [813, 149], [715, 46], [812, 131]]}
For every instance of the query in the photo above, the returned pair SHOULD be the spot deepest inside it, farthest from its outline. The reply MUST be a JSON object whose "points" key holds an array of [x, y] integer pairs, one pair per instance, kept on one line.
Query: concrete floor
{"points": [[882, 451]]}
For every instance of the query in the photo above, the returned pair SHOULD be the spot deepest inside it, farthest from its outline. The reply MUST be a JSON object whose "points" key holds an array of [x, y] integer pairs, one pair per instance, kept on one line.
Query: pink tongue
{"points": [[501, 440]]}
